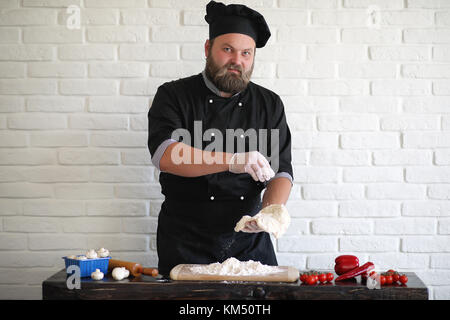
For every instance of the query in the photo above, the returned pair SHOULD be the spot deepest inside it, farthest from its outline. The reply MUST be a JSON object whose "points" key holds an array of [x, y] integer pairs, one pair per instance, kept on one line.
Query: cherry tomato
{"points": [[389, 279], [403, 278], [311, 279], [303, 277], [323, 277], [382, 279], [395, 277], [373, 275], [391, 271], [330, 277]]}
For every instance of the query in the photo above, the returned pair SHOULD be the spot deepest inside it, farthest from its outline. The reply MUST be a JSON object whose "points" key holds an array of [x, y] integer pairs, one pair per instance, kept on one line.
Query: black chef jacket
{"points": [[197, 218]]}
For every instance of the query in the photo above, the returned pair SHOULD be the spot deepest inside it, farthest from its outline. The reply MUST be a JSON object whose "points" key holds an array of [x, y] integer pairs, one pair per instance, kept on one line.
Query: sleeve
{"points": [[280, 152], [163, 119]]}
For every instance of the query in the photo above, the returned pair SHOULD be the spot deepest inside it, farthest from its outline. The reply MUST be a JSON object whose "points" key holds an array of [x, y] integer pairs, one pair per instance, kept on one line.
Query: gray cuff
{"points": [[160, 151], [284, 175]]}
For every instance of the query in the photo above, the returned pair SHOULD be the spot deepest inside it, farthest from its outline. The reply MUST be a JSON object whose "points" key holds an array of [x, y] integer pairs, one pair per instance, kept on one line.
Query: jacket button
{"points": [[210, 101], [240, 104], [212, 198], [242, 197]]}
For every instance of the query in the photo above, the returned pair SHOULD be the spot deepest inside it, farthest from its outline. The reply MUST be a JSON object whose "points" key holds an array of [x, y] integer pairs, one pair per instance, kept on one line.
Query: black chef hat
{"points": [[236, 18]]}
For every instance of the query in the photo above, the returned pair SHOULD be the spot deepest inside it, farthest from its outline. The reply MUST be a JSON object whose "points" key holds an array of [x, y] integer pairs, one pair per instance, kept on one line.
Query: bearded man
{"points": [[208, 189]]}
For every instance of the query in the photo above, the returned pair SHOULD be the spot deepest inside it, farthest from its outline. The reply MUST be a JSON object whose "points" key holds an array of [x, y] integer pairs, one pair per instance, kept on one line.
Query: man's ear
{"points": [[207, 45]]}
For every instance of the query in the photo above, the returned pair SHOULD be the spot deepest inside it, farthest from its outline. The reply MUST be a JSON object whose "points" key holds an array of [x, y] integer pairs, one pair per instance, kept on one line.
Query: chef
{"points": [[219, 141]]}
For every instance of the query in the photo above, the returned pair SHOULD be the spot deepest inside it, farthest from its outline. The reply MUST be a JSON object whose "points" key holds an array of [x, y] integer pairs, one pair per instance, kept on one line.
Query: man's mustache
{"points": [[231, 66]]}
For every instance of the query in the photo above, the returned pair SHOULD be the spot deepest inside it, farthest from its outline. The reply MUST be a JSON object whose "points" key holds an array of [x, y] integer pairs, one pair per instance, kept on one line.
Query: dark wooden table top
{"points": [[146, 287]]}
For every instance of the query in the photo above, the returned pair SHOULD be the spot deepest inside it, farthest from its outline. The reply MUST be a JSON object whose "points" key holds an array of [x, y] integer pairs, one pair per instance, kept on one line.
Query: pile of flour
{"points": [[234, 267]]}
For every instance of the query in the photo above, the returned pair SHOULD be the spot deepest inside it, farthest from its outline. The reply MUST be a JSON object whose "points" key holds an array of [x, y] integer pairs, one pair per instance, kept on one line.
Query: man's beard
{"points": [[226, 81]]}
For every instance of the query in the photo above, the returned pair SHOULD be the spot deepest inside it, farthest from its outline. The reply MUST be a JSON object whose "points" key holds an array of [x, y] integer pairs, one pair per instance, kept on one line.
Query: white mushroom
{"points": [[71, 257], [97, 275], [91, 254], [81, 258], [120, 273], [103, 253]]}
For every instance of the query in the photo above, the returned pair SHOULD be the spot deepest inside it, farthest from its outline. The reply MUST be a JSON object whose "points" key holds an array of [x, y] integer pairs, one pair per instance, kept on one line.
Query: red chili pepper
{"points": [[357, 271]]}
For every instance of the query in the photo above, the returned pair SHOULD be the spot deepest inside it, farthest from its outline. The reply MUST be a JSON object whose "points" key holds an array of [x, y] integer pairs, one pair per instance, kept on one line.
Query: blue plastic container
{"points": [[89, 265]]}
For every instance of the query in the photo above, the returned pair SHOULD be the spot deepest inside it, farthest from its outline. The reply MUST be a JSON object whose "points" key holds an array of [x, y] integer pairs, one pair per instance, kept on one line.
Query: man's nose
{"points": [[236, 58]]}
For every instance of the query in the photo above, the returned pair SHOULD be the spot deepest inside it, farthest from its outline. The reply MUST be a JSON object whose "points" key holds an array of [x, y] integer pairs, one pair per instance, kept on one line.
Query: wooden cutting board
{"points": [[183, 272]]}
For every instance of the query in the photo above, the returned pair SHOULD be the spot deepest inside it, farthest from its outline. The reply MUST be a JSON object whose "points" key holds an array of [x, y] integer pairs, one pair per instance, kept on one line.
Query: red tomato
{"points": [[330, 277], [382, 280], [403, 278], [391, 271], [395, 277], [323, 277], [389, 279], [303, 277], [311, 279]]}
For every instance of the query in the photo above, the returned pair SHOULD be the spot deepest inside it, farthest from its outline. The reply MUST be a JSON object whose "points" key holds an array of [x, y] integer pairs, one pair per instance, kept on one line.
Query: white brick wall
{"points": [[366, 85]]}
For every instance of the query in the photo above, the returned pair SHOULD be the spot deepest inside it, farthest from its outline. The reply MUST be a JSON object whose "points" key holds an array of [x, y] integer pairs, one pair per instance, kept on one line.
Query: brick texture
{"points": [[366, 90]]}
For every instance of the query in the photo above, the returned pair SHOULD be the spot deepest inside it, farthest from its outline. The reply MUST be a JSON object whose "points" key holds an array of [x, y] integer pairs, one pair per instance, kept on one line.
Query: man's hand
{"points": [[273, 219], [252, 163], [252, 227]]}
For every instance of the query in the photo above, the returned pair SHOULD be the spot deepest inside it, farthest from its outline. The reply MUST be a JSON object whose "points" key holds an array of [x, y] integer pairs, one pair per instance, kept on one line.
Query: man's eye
{"points": [[247, 53], [227, 49]]}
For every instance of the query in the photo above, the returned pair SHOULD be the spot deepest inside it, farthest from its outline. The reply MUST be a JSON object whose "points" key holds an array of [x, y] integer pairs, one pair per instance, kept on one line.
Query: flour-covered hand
{"points": [[273, 219], [253, 163], [252, 227]]}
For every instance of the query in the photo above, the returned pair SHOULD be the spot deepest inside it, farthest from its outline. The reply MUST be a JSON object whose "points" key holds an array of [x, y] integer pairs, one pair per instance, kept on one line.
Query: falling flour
{"points": [[234, 267]]}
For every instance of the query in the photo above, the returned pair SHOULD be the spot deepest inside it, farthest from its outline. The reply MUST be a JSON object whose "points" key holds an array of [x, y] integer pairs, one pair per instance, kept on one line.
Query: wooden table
{"points": [[149, 288]]}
